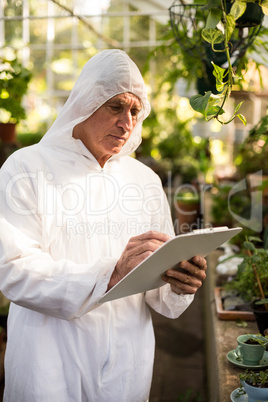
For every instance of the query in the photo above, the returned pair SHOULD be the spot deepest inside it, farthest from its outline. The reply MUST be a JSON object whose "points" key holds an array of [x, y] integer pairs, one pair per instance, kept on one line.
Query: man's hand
{"points": [[189, 278], [137, 249]]}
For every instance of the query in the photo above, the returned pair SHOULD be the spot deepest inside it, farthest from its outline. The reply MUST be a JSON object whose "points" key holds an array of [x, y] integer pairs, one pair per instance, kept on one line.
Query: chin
{"points": [[115, 151]]}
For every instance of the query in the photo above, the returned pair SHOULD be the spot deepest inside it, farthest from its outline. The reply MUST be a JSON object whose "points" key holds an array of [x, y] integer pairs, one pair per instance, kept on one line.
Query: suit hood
{"points": [[109, 73]]}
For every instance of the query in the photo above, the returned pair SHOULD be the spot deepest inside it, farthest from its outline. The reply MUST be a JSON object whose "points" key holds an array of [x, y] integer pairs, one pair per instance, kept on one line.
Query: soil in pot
{"points": [[251, 342]]}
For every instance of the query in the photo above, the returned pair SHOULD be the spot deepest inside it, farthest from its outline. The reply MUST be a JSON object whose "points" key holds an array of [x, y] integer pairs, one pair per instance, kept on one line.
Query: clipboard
{"points": [[147, 275]]}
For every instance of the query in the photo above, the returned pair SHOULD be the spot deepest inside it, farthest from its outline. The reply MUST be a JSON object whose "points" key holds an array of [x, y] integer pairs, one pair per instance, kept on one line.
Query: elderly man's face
{"points": [[109, 128]]}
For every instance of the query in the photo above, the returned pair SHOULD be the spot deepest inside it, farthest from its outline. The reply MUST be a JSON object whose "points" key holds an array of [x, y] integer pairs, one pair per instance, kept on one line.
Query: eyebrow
{"points": [[122, 102]]}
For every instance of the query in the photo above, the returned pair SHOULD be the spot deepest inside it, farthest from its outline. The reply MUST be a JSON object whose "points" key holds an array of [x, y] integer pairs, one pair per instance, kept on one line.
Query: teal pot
{"points": [[254, 393], [252, 17], [261, 316]]}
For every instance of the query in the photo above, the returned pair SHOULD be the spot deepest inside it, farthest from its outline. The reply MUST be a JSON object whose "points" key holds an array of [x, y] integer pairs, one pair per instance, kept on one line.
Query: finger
{"points": [[182, 288], [187, 269], [200, 262], [133, 261], [150, 235], [136, 248], [193, 268], [184, 278]]}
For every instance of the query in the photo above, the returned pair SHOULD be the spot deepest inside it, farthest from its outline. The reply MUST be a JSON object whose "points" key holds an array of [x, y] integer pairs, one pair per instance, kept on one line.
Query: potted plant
{"points": [[187, 208], [223, 207], [13, 86], [256, 339], [220, 31], [255, 385], [251, 280], [252, 155]]}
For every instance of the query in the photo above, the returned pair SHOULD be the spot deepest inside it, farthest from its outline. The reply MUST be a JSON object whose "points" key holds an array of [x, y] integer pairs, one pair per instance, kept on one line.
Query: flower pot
{"points": [[8, 133], [252, 16], [255, 393], [252, 352], [187, 214], [261, 316]]}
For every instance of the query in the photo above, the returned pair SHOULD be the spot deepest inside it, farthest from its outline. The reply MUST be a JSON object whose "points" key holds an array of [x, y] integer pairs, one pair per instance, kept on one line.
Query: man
{"points": [[77, 215]]}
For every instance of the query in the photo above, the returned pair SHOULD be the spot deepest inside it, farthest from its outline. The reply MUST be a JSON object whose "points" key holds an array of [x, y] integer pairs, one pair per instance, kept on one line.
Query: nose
{"points": [[125, 121]]}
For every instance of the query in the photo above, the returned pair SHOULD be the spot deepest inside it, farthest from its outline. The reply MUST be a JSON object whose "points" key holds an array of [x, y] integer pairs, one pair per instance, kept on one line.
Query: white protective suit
{"points": [[64, 223]]}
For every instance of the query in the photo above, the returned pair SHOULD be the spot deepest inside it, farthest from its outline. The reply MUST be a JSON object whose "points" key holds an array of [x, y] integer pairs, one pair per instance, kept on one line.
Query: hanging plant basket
{"points": [[188, 20], [194, 27]]}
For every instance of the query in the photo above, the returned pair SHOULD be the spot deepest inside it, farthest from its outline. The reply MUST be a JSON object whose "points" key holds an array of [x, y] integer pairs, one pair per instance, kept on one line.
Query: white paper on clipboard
{"points": [[147, 275]]}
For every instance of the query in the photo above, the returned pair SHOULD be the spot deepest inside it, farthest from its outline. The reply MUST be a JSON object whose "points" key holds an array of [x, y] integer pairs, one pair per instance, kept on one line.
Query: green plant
{"points": [[254, 339], [225, 207], [256, 379], [188, 195], [252, 155], [219, 32], [14, 81], [187, 168], [251, 281], [220, 211]]}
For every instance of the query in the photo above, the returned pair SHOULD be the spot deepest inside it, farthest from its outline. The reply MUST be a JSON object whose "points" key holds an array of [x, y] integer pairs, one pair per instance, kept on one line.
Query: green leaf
{"points": [[218, 72], [242, 118], [241, 323], [248, 246], [230, 26], [260, 302], [213, 110], [214, 17], [199, 102], [220, 86], [212, 35], [238, 9], [264, 6], [238, 106], [255, 238]]}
